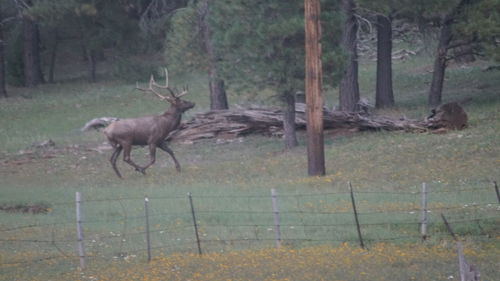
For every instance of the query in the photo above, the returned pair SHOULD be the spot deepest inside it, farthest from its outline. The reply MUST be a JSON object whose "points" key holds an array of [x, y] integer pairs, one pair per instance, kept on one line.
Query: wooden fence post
{"points": [[358, 227], [79, 232], [423, 212], [148, 238], [468, 272], [276, 214], [198, 242], [448, 227]]}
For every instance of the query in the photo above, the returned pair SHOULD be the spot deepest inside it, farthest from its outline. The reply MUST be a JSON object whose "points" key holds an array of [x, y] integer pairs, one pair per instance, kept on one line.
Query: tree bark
{"points": [[313, 83], [31, 53], [435, 93], [53, 54], [289, 128], [384, 96], [218, 97], [3, 90], [92, 65], [349, 88], [440, 61]]}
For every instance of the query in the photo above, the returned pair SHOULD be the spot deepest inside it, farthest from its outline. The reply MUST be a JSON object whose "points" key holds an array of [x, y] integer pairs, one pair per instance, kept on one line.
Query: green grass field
{"points": [[231, 183]]}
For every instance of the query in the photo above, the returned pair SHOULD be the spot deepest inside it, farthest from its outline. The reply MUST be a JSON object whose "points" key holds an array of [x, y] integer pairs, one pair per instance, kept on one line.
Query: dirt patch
{"points": [[26, 208], [39, 152]]}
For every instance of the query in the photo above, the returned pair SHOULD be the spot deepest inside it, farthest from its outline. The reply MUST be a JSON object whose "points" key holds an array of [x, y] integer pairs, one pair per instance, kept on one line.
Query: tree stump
{"points": [[449, 116]]}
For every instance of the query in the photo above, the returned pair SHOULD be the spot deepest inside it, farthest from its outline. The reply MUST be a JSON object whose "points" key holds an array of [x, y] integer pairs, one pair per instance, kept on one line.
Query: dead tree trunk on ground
{"points": [[269, 121], [227, 124]]}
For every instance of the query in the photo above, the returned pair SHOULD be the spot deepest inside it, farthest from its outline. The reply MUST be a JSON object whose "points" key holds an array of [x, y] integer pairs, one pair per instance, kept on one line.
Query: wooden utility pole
{"points": [[314, 99]]}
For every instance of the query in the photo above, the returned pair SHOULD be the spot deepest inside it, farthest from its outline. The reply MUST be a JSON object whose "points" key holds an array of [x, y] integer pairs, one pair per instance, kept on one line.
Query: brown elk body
{"points": [[147, 130]]}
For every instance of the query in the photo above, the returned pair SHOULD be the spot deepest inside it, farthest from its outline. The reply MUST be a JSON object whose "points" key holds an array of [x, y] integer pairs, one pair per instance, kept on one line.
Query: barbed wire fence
{"points": [[145, 227]]}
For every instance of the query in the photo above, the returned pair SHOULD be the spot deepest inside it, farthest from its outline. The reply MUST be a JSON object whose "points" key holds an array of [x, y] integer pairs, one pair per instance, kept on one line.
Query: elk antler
{"points": [[172, 93], [166, 81], [184, 91], [152, 83]]}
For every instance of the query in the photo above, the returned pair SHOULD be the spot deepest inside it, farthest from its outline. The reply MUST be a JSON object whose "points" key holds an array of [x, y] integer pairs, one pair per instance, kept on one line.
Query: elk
{"points": [[148, 130]]}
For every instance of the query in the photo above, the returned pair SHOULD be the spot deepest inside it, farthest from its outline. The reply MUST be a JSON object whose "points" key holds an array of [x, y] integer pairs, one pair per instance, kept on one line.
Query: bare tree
{"points": [[149, 130]]}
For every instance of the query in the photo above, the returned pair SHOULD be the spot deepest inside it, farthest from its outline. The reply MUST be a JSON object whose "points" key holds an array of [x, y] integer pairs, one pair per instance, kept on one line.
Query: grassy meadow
{"points": [[230, 183]]}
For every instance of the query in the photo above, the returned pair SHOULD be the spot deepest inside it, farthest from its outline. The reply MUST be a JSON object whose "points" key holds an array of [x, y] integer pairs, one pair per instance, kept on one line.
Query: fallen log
{"points": [[239, 122]]}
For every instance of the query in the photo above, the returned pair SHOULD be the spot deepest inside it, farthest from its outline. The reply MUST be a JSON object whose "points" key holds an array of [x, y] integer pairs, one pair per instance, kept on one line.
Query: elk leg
{"points": [[152, 155], [114, 156], [165, 148], [126, 157]]}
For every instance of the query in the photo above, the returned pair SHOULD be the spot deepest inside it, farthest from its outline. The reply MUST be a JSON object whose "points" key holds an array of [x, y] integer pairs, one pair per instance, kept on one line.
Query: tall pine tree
{"points": [[190, 46], [349, 87], [261, 44]]}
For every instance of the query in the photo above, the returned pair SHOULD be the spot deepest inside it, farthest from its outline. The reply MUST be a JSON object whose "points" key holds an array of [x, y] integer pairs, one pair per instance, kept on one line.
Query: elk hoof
{"points": [[178, 168], [141, 170]]}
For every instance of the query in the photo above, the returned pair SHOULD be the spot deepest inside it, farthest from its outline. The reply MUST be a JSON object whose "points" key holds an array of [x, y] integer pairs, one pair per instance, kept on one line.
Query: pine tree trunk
{"points": [[3, 90], [445, 38], [53, 54], [349, 88], [218, 98], [91, 60], [435, 93], [384, 96], [289, 128], [31, 53]]}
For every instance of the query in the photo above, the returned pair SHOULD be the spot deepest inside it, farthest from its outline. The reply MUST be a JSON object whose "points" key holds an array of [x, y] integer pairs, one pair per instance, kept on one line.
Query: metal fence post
{"points": [[423, 212], [79, 232], [148, 238], [276, 215]]}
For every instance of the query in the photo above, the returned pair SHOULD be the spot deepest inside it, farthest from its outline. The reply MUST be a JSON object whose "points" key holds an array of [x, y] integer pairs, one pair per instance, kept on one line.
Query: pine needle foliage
{"points": [[258, 44]]}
